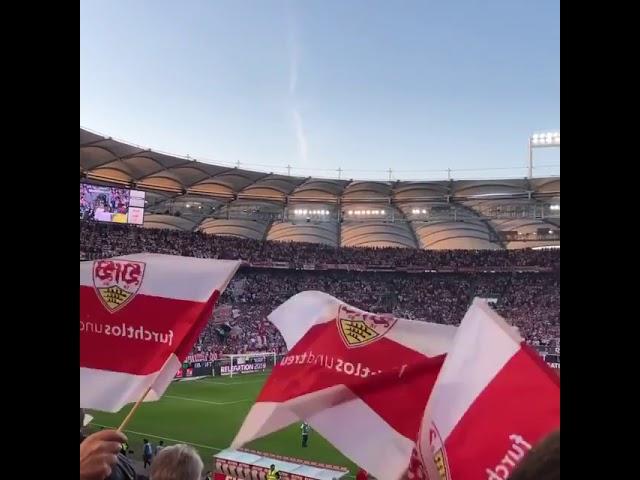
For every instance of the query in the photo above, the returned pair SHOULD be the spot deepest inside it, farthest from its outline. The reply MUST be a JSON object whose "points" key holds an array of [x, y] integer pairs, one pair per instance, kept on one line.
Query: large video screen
{"points": [[111, 204]]}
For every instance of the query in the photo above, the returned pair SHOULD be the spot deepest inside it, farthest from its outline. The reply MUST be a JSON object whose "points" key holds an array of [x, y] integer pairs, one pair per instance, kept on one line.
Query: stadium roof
{"points": [[186, 194]]}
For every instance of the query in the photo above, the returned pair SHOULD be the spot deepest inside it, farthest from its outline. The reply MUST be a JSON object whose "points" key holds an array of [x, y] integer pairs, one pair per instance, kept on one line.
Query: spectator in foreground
{"points": [[541, 463], [178, 462], [99, 454], [122, 470]]}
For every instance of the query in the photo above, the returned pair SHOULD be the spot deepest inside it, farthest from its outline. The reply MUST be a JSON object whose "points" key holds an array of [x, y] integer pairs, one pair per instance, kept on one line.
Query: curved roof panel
{"points": [[275, 187], [451, 235], [234, 228], [188, 174], [87, 137], [488, 188], [546, 186], [235, 179], [421, 191], [319, 189], [169, 222], [144, 164], [325, 233], [366, 192], [377, 234]]}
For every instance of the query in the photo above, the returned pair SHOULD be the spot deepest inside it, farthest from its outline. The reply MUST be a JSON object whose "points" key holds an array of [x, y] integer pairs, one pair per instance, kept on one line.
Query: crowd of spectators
{"points": [[99, 240], [530, 301]]}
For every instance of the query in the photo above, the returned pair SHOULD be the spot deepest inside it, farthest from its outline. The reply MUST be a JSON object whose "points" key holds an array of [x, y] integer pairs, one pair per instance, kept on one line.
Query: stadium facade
{"points": [[184, 194]]}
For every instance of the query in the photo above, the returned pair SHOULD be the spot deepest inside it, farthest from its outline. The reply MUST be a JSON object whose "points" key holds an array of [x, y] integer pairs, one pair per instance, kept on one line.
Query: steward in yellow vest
{"points": [[273, 474]]}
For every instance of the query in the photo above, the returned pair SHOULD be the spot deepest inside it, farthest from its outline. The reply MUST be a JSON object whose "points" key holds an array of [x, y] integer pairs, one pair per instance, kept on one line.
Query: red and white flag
{"points": [[139, 318], [494, 399], [360, 380]]}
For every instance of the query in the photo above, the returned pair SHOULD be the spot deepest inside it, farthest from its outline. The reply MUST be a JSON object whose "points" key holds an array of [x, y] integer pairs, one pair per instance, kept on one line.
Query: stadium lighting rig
{"points": [[301, 211], [542, 140], [366, 212]]}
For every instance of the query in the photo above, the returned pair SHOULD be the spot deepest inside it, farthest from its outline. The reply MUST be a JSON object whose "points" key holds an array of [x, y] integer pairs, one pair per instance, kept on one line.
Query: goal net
{"points": [[244, 363]]}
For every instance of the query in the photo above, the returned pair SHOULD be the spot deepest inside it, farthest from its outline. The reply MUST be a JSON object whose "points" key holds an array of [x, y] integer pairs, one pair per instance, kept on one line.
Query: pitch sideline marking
{"points": [[208, 401], [163, 438], [213, 382]]}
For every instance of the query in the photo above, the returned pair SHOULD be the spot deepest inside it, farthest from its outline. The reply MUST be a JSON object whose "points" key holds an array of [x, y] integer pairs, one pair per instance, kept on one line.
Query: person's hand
{"points": [[98, 453]]}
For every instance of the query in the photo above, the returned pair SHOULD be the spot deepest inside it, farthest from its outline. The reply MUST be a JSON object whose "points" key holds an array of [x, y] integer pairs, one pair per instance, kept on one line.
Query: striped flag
{"points": [[494, 399], [360, 380], [139, 318]]}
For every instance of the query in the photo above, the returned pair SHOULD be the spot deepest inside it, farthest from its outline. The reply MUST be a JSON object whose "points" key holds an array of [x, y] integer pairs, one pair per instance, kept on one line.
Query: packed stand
{"points": [[531, 301], [100, 240]]}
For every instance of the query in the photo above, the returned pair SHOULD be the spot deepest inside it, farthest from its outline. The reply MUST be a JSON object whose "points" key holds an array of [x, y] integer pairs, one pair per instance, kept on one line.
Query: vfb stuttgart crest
{"points": [[360, 328], [439, 454], [117, 282]]}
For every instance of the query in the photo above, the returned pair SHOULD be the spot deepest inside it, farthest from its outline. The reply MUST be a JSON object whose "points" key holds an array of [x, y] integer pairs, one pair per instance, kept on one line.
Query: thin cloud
{"points": [[301, 136], [294, 57]]}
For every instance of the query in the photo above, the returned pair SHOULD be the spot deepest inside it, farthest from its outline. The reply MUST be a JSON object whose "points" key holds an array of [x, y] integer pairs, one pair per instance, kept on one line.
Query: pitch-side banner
{"points": [[360, 380], [139, 318], [493, 401]]}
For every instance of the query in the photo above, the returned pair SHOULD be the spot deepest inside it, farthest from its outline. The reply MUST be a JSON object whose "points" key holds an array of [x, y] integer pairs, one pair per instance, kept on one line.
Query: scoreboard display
{"points": [[111, 204]]}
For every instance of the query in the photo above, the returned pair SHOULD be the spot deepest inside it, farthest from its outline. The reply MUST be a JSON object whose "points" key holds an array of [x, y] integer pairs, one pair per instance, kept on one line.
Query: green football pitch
{"points": [[206, 414]]}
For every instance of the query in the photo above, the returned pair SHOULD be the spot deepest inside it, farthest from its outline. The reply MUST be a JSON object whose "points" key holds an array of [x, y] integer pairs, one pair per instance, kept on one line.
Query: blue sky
{"points": [[362, 85]]}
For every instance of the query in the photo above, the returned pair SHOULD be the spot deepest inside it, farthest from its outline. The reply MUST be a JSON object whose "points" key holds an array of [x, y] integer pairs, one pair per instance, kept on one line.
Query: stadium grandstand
{"points": [[433, 245], [187, 195]]}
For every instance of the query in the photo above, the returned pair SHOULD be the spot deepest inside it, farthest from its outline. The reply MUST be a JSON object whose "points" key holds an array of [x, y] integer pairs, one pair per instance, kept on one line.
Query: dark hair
{"points": [[542, 462], [272, 466], [144, 440]]}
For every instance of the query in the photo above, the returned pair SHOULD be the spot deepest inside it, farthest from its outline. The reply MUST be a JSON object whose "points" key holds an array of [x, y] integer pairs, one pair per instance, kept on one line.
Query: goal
{"points": [[249, 362]]}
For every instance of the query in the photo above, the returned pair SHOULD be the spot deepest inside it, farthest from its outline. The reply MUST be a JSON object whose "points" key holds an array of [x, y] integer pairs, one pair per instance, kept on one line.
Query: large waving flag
{"points": [[360, 380], [494, 399], [139, 317]]}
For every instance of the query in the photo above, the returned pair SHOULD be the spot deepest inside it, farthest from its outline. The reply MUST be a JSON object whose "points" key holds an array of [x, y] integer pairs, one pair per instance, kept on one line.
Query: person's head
{"points": [[543, 461], [178, 462], [144, 440], [161, 442], [272, 467]]}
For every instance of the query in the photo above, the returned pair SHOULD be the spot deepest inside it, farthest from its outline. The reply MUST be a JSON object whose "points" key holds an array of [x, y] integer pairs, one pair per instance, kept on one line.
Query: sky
{"points": [[417, 87]]}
